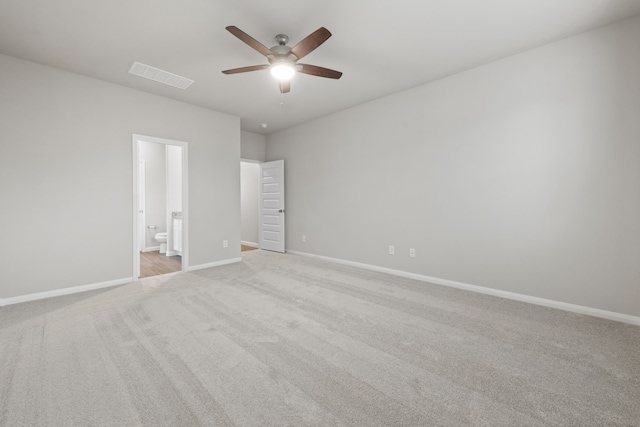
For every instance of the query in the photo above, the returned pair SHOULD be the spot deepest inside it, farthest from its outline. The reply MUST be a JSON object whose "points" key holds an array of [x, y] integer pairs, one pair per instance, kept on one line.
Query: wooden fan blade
{"points": [[311, 42], [246, 69], [255, 44], [314, 70], [285, 86]]}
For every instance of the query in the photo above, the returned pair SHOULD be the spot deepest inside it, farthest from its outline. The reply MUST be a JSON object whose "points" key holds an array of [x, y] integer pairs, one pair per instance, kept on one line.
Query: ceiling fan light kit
{"points": [[283, 60], [282, 71]]}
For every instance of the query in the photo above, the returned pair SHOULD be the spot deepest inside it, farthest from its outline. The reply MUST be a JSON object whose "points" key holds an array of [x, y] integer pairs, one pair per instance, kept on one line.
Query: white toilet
{"points": [[162, 239]]}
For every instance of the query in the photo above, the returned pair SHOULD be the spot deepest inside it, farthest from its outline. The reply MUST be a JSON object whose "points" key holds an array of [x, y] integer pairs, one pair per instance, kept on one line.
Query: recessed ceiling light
{"points": [[160, 76], [263, 125]]}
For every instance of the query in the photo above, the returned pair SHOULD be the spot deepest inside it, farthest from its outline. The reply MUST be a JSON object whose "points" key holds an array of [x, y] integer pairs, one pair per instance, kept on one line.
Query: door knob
{"points": [[281, 211]]}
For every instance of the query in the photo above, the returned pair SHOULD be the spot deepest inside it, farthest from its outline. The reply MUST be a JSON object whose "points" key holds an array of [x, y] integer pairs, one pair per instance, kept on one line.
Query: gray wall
{"points": [[521, 175], [66, 177], [253, 146]]}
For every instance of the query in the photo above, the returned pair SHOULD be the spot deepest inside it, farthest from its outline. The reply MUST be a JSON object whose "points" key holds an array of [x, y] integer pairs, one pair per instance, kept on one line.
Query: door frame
{"points": [[141, 204], [185, 198]]}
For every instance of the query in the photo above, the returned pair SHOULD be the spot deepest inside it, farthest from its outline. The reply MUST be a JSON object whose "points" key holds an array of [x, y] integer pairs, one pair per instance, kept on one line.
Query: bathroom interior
{"points": [[160, 180]]}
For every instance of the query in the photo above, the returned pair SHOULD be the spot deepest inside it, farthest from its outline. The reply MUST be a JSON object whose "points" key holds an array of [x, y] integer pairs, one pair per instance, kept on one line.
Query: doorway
{"points": [[262, 205], [249, 202], [160, 206]]}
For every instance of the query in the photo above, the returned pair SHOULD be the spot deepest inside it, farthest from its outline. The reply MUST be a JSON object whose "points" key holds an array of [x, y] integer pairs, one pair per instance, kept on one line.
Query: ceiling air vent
{"points": [[160, 76]]}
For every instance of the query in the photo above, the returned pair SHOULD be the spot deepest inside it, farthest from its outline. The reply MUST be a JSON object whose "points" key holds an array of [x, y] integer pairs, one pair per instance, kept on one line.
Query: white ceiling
{"points": [[381, 46]]}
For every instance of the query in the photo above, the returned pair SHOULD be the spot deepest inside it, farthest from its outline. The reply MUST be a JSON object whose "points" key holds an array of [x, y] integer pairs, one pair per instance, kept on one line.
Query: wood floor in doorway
{"points": [[153, 264], [245, 248]]}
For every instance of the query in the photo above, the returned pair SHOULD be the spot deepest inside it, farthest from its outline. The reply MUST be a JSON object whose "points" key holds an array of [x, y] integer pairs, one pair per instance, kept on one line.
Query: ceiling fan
{"points": [[283, 60]]}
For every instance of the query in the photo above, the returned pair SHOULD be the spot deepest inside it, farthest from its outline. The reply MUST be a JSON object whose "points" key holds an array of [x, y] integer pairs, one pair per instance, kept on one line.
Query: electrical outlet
{"points": [[225, 243], [392, 250], [412, 253], [304, 238]]}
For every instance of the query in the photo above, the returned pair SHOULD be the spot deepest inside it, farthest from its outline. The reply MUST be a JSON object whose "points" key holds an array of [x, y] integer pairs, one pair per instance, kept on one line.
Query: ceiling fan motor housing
{"points": [[282, 53]]}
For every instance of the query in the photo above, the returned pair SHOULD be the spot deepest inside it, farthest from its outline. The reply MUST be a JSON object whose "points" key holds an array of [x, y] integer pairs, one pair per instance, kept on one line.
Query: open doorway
{"points": [[249, 204], [262, 205], [160, 200]]}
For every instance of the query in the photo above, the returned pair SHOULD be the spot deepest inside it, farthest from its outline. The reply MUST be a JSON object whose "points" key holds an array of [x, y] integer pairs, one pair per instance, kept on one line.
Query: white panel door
{"points": [[271, 214]]}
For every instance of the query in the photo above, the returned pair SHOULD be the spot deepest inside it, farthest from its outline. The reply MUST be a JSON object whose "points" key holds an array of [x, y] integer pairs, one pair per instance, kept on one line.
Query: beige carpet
{"points": [[282, 340]]}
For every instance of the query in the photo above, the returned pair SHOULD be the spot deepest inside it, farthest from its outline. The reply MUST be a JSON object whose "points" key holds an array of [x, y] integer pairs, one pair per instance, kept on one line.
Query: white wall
{"points": [[174, 189], [521, 175], [155, 210], [250, 192], [253, 146], [66, 177]]}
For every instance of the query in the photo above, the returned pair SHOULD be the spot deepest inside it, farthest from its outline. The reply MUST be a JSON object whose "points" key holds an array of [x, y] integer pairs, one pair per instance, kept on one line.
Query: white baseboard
{"points": [[93, 286], [213, 264], [151, 249], [252, 244], [172, 253], [596, 312], [65, 291]]}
